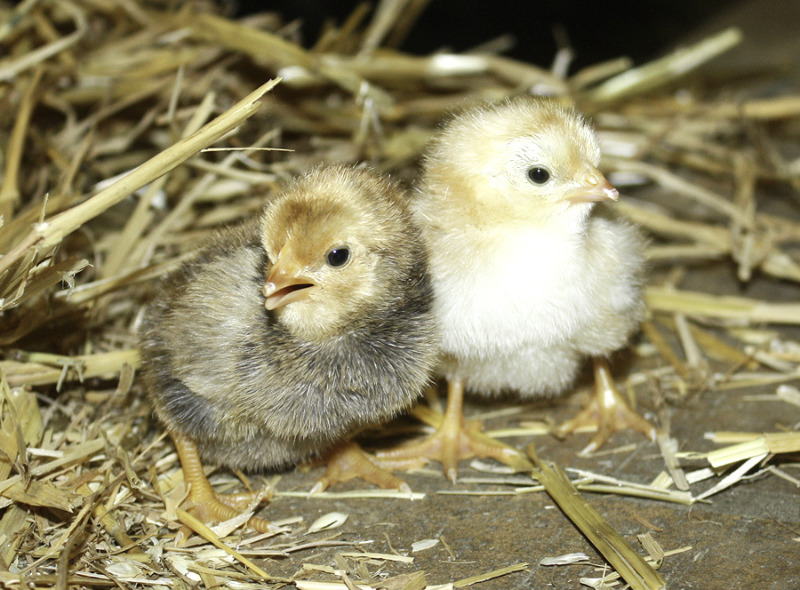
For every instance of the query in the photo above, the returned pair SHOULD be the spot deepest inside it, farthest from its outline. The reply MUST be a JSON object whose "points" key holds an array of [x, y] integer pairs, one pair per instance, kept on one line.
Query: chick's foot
{"points": [[607, 410], [203, 502], [454, 439], [348, 461]]}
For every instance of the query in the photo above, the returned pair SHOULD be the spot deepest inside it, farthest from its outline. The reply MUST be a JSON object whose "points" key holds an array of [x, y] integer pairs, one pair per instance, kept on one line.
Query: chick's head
{"points": [[335, 240], [526, 160]]}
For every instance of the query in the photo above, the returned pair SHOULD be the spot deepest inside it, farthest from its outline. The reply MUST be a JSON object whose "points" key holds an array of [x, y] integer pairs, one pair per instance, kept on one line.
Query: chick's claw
{"points": [[241, 500], [608, 410], [203, 501], [348, 462], [451, 443], [455, 439]]}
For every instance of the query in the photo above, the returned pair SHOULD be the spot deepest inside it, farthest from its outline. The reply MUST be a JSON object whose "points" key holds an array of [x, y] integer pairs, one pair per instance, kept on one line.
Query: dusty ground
{"points": [[746, 537]]}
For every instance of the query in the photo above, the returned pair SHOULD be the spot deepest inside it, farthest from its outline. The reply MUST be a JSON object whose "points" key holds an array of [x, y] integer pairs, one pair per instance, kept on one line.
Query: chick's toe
{"points": [[348, 461], [455, 439], [607, 410]]}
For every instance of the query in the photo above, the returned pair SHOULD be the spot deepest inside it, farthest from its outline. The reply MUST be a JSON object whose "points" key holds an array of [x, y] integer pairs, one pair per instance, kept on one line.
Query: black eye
{"points": [[538, 175], [337, 256]]}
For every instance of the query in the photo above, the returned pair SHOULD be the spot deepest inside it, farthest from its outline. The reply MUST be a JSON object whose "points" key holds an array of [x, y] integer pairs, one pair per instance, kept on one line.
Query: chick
{"points": [[285, 335], [530, 278]]}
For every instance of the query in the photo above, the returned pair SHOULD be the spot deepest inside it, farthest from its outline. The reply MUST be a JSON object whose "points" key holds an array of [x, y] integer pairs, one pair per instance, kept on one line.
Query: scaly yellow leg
{"points": [[204, 503]]}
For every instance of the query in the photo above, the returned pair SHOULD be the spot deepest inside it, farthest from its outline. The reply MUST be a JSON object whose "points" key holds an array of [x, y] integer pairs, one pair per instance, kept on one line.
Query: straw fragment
{"points": [[11, 68], [734, 477], [48, 234], [630, 566], [722, 307], [772, 443], [477, 579], [44, 369], [663, 70], [205, 532], [369, 493]]}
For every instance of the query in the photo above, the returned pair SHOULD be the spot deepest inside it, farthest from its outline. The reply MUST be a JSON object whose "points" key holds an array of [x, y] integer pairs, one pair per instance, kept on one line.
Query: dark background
{"points": [[596, 30]]}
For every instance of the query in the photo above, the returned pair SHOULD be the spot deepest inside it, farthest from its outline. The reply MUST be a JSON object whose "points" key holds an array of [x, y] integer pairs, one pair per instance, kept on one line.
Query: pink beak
{"points": [[594, 188], [285, 285]]}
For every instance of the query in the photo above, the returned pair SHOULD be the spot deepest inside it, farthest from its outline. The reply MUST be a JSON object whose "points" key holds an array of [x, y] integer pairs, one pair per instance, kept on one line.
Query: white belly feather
{"points": [[513, 309]]}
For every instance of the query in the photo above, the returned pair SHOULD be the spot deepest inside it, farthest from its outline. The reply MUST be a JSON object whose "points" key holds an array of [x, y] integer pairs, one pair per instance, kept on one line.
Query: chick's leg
{"points": [[203, 502], [454, 439], [607, 410], [348, 461]]}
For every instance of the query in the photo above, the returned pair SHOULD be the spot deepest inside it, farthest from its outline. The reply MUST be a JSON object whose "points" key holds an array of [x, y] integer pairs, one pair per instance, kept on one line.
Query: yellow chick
{"points": [[530, 277], [285, 335]]}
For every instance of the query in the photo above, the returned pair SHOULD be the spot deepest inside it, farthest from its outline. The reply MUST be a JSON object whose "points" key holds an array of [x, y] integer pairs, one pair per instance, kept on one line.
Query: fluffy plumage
{"points": [[287, 334], [530, 277]]}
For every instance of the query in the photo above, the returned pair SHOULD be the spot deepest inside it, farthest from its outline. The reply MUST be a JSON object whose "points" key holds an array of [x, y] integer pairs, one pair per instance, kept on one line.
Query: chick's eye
{"points": [[337, 256], [538, 175]]}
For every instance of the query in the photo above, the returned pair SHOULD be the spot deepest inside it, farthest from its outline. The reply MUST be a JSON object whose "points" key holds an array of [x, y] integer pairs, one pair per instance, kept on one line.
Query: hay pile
{"points": [[130, 129]]}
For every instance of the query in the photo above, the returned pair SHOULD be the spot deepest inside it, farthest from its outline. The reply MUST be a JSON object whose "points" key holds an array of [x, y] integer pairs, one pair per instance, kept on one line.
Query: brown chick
{"points": [[530, 278], [284, 336]]}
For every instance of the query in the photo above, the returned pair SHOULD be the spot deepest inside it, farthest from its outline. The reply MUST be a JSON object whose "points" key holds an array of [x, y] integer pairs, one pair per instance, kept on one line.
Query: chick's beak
{"points": [[285, 284], [593, 187]]}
